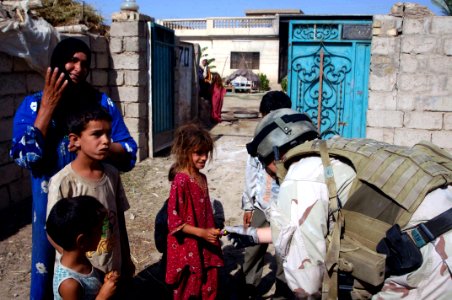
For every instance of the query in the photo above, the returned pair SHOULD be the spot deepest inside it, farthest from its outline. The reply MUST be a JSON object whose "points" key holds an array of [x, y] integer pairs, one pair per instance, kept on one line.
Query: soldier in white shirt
{"points": [[259, 192], [304, 217]]}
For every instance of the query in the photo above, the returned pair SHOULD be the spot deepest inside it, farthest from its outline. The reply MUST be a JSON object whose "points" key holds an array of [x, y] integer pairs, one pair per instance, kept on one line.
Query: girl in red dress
{"points": [[193, 247], [218, 92]]}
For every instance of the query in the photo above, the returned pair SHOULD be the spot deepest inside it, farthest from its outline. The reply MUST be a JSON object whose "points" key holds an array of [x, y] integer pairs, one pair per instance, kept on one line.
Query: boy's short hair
{"points": [[274, 100], [70, 217], [78, 120]]}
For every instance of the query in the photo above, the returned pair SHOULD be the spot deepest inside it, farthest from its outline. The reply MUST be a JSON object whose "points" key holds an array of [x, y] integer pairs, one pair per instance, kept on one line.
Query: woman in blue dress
{"points": [[41, 145]]}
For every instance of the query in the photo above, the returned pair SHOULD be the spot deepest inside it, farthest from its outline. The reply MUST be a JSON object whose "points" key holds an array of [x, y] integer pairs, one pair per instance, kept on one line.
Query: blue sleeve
{"points": [[119, 132], [28, 142]]}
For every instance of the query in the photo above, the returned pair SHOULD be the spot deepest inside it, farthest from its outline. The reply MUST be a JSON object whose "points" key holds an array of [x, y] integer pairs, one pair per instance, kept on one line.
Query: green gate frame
{"points": [[162, 86]]}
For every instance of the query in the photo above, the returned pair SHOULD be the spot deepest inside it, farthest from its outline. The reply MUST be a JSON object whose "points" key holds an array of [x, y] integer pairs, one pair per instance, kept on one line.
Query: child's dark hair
{"points": [[189, 139], [216, 80], [70, 217], [172, 173], [274, 100], [79, 119]]}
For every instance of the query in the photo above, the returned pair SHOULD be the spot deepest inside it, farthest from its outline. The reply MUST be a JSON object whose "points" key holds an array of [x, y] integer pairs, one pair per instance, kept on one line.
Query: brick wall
{"points": [[410, 84], [117, 69], [16, 81], [128, 77]]}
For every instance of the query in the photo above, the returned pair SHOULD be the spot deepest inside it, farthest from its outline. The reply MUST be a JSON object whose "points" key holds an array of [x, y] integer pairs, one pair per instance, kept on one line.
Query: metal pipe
{"points": [[319, 107]]}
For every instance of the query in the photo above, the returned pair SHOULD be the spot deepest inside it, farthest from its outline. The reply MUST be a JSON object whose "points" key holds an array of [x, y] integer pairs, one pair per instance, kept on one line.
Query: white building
{"points": [[251, 42]]}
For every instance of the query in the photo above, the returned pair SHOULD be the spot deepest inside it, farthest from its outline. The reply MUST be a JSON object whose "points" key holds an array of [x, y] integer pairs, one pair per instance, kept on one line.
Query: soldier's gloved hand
{"points": [[242, 237]]}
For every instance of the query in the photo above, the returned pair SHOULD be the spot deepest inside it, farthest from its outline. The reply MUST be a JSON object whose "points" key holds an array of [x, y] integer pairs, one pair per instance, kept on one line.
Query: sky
{"points": [[178, 9]]}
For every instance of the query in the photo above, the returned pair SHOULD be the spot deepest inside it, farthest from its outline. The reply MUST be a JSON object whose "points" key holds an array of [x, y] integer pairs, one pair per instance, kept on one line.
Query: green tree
{"points": [[209, 60], [284, 84], [445, 5], [263, 82]]}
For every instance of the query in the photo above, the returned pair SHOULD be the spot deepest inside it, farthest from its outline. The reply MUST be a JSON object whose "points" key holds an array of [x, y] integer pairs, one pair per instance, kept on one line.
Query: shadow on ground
{"points": [[150, 283], [13, 218]]}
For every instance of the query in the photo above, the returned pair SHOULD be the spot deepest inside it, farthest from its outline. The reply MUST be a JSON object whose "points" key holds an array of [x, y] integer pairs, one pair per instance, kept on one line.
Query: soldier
{"points": [[355, 218], [260, 190]]}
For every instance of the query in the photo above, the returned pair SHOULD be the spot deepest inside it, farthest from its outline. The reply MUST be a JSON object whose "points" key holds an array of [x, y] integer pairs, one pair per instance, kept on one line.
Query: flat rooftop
{"points": [[272, 12]]}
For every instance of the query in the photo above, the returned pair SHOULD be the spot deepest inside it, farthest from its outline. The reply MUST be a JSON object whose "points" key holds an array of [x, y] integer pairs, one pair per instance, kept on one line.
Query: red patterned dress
{"points": [[192, 263]]}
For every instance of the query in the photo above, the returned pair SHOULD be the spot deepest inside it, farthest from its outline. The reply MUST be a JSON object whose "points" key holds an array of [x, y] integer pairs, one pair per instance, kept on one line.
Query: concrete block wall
{"points": [[128, 76], [410, 83], [16, 81], [118, 67]]}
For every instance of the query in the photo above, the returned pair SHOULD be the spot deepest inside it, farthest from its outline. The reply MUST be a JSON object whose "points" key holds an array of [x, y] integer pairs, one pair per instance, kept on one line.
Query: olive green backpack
{"points": [[391, 182]]}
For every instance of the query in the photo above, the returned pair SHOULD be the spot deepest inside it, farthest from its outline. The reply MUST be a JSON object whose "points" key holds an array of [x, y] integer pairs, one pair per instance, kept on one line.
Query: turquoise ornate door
{"points": [[328, 69]]}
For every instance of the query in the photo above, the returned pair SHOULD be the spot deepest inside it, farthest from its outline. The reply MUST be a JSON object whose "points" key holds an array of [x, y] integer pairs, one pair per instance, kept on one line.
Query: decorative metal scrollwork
{"points": [[315, 32], [335, 69]]}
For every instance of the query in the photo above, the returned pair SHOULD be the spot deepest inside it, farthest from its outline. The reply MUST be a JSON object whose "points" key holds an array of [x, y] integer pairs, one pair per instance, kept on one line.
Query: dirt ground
{"points": [[147, 188]]}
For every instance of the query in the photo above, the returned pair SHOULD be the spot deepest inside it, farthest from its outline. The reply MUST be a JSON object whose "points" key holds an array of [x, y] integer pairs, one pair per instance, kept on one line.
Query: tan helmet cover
{"points": [[281, 129]]}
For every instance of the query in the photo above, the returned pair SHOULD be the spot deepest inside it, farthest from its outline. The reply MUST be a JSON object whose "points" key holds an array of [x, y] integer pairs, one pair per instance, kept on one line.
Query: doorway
{"points": [[328, 68]]}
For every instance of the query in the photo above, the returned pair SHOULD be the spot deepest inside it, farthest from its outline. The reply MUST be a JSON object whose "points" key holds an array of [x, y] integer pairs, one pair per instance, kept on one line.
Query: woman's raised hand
{"points": [[53, 89]]}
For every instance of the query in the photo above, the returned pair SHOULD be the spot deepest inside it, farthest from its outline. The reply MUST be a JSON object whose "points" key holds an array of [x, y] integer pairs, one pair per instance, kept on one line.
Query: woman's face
{"points": [[77, 67]]}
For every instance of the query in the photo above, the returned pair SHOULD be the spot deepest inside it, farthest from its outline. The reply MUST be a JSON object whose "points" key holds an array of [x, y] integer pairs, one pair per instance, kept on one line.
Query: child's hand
{"points": [[247, 217], [108, 289], [211, 235]]}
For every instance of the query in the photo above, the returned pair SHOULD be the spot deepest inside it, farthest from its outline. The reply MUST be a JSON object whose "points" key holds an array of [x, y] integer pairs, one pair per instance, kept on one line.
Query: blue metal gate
{"points": [[162, 77], [328, 69]]}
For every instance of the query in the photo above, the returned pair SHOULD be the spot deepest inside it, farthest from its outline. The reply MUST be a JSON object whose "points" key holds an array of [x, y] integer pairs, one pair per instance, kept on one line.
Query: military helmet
{"points": [[280, 130]]}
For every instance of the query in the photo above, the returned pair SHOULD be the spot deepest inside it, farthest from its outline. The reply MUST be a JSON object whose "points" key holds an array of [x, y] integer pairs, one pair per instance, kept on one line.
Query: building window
{"points": [[245, 60]]}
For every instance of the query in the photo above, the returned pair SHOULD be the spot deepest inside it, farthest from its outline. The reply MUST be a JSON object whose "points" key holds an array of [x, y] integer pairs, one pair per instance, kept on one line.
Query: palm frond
{"points": [[444, 5]]}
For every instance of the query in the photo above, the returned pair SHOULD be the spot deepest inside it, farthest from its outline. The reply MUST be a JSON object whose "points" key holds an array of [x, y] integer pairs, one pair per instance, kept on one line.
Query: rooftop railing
{"points": [[221, 23], [185, 24], [243, 23]]}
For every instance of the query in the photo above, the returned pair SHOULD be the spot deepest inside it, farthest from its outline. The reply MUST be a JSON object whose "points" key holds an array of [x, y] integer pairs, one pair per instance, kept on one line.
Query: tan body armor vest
{"points": [[391, 182]]}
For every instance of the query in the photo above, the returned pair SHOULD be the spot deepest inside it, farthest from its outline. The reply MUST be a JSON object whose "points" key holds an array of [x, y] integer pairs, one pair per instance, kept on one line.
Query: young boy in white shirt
{"points": [[75, 224]]}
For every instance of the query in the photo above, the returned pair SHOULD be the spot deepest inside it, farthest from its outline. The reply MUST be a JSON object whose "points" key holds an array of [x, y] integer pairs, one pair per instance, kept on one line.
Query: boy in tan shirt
{"points": [[88, 175]]}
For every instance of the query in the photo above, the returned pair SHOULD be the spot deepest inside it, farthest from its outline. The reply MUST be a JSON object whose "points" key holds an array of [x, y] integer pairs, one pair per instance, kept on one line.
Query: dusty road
{"points": [[147, 188]]}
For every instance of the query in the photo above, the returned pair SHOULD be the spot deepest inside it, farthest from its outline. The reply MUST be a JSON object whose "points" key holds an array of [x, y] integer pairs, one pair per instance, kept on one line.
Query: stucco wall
{"points": [[410, 85], [221, 35], [221, 49]]}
